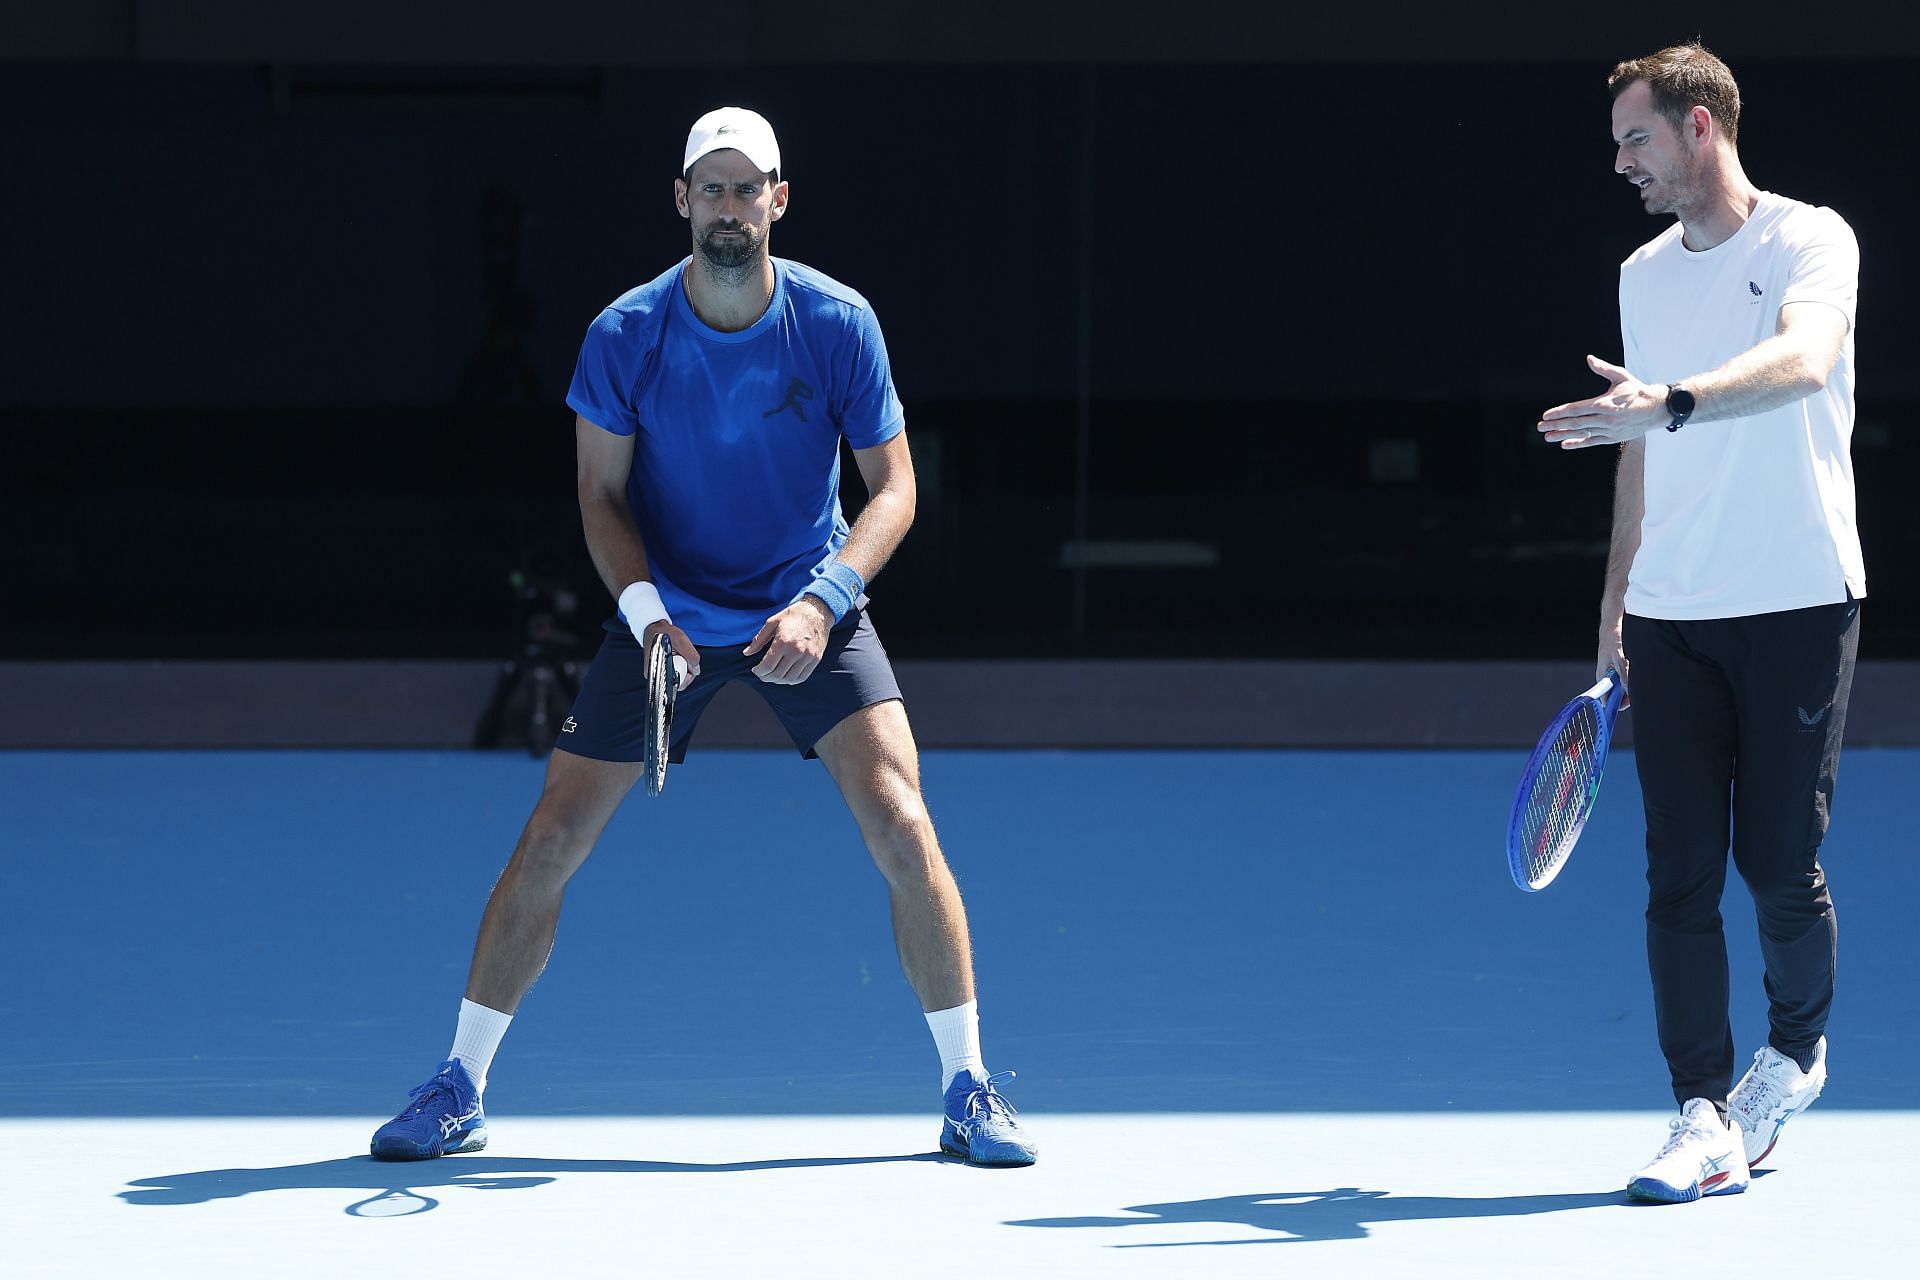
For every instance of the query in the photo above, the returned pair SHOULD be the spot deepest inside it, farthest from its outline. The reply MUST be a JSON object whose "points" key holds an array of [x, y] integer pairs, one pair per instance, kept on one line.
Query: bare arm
{"points": [[1791, 365], [795, 638], [1629, 506], [891, 497], [602, 463]]}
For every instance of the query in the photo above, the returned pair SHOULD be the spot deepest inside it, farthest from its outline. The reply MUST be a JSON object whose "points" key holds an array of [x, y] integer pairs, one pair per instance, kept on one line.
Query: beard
{"points": [[1676, 192], [731, 254]]}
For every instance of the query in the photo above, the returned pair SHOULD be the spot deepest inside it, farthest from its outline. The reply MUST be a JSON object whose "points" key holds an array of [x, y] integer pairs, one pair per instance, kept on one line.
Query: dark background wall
{"points": [[1222, 330]]}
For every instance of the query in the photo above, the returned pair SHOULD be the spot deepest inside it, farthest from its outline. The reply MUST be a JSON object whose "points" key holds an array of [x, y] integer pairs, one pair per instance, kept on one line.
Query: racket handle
{"points": [[679, 672]]}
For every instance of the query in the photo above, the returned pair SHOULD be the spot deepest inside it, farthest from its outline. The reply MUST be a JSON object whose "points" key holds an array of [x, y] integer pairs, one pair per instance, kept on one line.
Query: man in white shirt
{"points": [[1732, 587]]}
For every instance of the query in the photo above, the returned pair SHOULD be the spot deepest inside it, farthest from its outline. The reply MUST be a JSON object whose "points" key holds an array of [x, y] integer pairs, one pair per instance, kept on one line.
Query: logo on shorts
{"points": [[797, 392], [569, 726], [1811, 720]]}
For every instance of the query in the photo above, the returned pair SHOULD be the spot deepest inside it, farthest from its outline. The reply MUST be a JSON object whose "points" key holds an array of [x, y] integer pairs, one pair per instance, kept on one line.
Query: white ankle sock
{"points": [[956, 1033], [476, 1037]]}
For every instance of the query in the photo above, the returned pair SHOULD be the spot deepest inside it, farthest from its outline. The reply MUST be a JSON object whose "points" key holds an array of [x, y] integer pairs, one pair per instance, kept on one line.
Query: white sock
{"points": [[476, 1037], [956, 1033]]}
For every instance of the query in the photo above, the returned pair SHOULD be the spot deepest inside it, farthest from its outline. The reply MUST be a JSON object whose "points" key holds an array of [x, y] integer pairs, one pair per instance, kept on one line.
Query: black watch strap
{"points": [[1680, 403]]}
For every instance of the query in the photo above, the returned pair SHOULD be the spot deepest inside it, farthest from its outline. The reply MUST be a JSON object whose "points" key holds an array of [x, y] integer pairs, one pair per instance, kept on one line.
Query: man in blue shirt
{"points": [[711, 403]]}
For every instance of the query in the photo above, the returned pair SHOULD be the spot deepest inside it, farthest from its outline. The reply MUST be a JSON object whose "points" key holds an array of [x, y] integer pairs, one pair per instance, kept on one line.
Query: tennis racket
{"points": [[1560, 784], [663, 686]]}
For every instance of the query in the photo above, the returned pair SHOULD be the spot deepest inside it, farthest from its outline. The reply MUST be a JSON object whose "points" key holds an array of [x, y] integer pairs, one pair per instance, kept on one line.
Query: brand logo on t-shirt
{"points": [[797, 392], [1753, 288]]}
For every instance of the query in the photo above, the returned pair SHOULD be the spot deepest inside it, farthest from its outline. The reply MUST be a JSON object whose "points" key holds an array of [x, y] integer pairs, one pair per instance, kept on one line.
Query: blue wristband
{"points": [[838, 586]]}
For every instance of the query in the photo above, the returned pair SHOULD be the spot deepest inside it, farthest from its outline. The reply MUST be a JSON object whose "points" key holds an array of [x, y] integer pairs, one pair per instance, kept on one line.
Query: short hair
{"points": [[1682, 77]]}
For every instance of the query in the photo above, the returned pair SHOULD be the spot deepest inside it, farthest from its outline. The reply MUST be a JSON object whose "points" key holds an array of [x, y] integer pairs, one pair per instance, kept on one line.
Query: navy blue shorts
{"points": [[609, 717]]}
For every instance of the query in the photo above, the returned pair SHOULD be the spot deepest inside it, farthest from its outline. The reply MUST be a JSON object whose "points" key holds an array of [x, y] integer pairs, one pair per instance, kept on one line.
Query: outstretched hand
{"points": [[1628, 410]]}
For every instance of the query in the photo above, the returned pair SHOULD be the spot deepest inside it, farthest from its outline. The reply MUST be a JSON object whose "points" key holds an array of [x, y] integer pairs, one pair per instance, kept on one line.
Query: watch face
{"points": [[1680, 400]]}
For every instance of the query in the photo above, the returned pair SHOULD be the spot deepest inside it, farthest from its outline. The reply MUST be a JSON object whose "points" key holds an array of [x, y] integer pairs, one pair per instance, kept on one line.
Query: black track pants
{"points": [[1736, 729]]}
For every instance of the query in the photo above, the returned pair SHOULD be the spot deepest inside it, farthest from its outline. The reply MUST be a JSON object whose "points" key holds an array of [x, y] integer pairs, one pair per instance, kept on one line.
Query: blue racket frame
{"points": [[1605, 698]]}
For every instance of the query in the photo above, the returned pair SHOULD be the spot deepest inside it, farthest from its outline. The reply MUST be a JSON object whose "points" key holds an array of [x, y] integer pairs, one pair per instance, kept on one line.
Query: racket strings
{"points": [[1562, 793], [662, 688]]}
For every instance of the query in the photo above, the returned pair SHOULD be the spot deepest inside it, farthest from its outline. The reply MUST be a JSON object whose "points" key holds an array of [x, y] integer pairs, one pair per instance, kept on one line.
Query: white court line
{"points": [[1413, 1195]]}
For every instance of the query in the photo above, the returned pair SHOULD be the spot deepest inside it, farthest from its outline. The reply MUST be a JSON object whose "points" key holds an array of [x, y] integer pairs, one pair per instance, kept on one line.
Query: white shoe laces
{"points": [[1765, 1088], [1683, 1129], [1678, 1132]]}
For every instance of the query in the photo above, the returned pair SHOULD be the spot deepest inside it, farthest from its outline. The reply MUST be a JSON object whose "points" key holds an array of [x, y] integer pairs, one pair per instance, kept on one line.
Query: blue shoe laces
{"points": [[424, 1095], [988, 1099]]}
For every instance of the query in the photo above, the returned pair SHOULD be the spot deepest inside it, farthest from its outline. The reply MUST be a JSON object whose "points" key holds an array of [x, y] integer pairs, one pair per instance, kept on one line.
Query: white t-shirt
{"points": [[1755, 514]]}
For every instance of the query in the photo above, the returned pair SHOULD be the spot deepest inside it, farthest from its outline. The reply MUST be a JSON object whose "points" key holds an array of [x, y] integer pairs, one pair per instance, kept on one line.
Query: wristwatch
{"points": [[1680, 404]]}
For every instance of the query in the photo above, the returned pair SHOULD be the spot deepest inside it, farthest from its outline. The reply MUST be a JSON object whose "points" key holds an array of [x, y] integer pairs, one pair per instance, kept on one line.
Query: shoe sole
{"points": [[1660, 1193], [410, 1151], [960, 1153]]}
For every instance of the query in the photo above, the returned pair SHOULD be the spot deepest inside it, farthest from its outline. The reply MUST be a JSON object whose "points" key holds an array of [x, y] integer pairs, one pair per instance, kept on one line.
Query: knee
{"points": [[551, 849], [899, 835], [1786, 906], [1684, 902]]}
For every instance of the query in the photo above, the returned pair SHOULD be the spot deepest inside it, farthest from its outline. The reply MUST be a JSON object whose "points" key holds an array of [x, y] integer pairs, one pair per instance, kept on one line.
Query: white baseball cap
{"points": [[733, 129]]}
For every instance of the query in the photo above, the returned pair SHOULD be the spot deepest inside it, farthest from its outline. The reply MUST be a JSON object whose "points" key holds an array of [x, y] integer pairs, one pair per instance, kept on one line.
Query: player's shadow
{"points": [[1343, 1213], [397, 1186]]}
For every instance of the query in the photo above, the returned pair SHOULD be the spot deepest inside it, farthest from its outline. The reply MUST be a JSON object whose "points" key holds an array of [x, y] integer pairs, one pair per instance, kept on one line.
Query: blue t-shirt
{"points": [[736, 459]]}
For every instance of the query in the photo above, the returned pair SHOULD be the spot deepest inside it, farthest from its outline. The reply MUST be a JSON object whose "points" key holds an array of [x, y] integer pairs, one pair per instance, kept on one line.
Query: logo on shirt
{"points": [[1811, 720], [1753, 288], [798, 393]]}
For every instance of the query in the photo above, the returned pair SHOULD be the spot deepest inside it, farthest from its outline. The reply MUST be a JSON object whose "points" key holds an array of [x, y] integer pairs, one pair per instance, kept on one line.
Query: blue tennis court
{"points": [[1252, 997]]}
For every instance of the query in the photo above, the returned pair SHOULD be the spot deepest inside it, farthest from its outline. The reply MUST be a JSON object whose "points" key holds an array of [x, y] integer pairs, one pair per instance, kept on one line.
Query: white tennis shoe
{"points": [[1774, 1091], [1702, 1157]]}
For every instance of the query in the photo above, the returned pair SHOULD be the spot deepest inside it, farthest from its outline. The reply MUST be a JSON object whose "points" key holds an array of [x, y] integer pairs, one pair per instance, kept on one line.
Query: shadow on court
{"points": [[397, 1184], [1344, 1213]]}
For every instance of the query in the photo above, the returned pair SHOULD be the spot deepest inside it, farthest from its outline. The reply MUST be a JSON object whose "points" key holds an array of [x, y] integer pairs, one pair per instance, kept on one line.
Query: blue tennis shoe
{"points": [[980, 1127], [445, 1117]]}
